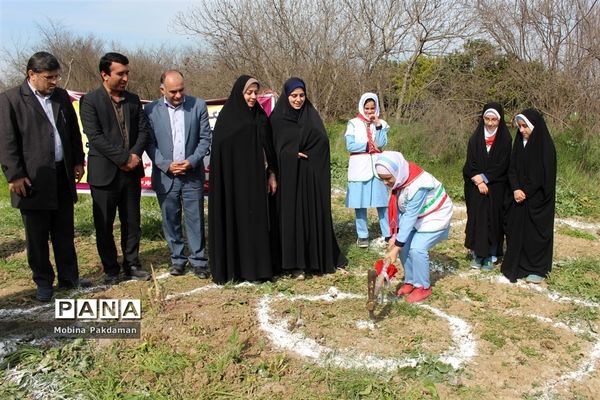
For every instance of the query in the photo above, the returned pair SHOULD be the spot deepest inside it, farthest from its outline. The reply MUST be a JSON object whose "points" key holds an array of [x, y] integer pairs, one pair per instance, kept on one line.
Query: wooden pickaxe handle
{"points": [[371, 299]]}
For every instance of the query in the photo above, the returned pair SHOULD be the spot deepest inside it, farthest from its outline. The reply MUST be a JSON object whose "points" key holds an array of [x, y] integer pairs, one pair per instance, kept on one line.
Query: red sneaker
{"points": [[419, 294], [405, 289]]}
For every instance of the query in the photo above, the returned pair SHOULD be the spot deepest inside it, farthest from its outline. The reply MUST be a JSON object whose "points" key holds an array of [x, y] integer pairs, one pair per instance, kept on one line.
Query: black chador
{"points": [[530, 223], [488, 154], [308, 241], [239, 221]]}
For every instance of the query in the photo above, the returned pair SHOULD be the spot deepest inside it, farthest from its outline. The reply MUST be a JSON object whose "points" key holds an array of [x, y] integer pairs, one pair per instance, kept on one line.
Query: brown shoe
{"points": [[177, 270]]}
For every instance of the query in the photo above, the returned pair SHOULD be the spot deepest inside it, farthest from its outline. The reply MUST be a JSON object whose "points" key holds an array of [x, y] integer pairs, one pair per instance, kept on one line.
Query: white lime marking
{"points": [[462, 350]]}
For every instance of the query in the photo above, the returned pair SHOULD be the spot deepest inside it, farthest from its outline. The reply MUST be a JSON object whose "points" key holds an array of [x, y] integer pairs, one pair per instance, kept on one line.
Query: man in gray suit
{"points": [[181, 138], [42, 157]]}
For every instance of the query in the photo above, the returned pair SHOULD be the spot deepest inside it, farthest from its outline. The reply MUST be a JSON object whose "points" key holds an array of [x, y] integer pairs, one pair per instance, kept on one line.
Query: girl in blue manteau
{"points": [[419, 213], [365, 136]]}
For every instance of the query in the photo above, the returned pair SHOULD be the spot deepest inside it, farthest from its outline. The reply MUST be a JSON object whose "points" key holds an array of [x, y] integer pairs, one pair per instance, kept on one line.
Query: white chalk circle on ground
{"points": [[588, 364], [462, 350]]}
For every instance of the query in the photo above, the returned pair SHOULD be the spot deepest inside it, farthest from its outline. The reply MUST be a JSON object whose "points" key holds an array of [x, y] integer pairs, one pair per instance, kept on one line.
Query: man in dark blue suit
{"points": [[180, 139], [117, 130]]}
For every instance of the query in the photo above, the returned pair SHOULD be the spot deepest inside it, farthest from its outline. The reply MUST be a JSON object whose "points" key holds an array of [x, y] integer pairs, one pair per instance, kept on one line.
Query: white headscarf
{"points": [[363, 100], [523, 118], [392, 163], [496, 114], [492, 111]]}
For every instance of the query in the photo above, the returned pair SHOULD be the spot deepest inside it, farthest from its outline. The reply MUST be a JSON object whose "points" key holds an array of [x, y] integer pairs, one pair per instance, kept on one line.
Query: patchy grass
{"points": [[578, 277], [156, 371], [16, 267], [500, 329], [579, 314], [576, 233], [55, 369]]}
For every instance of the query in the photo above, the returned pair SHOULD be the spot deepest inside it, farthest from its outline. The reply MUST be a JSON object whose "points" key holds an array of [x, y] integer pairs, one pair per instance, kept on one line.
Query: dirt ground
{"points": [[526, 342], [538, 349]]}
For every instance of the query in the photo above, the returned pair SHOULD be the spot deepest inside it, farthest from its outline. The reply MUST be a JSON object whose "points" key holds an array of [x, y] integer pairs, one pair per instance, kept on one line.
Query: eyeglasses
{"points": [[51, 78]]}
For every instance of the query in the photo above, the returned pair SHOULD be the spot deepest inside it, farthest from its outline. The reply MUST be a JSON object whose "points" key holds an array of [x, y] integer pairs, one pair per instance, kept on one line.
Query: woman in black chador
{"points": [[530, 213], [242, 180], [486, 185], [308, 242]]}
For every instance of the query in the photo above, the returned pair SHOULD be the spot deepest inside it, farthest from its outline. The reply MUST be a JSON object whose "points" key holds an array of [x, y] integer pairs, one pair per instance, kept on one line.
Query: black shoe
{"points": [[79, 284], [177, 270], [44, 293], [137, 273], [202, 273], [111, 279]]}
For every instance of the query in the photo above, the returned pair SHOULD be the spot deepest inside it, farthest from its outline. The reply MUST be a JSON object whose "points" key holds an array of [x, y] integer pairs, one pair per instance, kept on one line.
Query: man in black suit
{"points": [[117, 128], [42, 156]]}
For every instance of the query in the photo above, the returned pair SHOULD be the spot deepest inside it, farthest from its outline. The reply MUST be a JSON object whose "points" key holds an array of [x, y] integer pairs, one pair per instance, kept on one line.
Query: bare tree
{"points": [[436, 25], [380, 31], [340, 47], [559, 35], [536, 30], [275, 39], [78, 55]]}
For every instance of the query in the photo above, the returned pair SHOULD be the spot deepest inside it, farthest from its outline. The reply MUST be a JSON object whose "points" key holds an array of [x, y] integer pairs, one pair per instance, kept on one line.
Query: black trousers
{"points": [[58, 225], [122, 194]]}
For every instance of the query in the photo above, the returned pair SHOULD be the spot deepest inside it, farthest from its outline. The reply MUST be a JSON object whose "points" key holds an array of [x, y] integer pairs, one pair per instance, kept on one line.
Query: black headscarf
{"points": [[236, 118], [485, 214], [304, 191], [301, 126], [289, 86], [530, 224]]}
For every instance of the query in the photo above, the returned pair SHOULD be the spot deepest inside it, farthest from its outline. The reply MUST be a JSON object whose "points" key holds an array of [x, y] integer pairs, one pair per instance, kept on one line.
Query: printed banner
{"points": [[267, 101]]}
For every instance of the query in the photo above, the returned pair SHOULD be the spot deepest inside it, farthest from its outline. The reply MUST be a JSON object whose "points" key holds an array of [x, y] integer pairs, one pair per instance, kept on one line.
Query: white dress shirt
{"points": [[176, 117], [47, 106]]}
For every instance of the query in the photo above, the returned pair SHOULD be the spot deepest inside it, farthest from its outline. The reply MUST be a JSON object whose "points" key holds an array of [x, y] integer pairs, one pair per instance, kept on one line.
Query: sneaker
{"points": [[201, 273], [137, 273], [419, 294], [44, 293], [177, 270], [405, 289], [362, 243], [476, 262], [487, 265], [298, 275], [379, 242], [534, 279]]}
